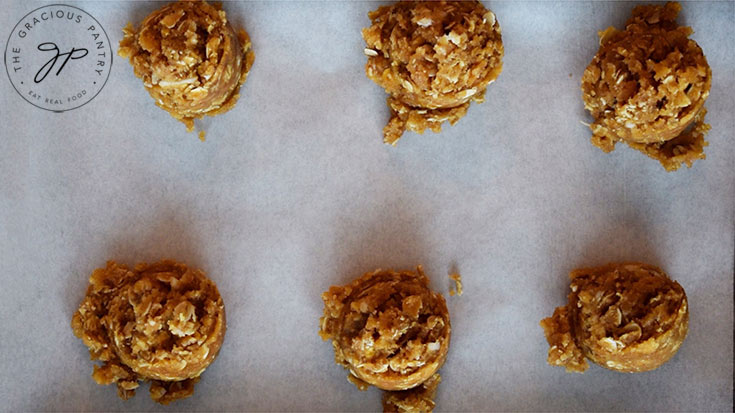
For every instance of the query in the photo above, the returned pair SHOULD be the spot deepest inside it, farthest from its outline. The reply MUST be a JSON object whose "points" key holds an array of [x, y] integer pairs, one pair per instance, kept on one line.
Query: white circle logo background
{"points": [[58, 57]]}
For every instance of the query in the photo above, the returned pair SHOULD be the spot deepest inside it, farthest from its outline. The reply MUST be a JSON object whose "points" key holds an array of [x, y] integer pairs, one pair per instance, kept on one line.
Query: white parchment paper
{"points": [[293, 191]]}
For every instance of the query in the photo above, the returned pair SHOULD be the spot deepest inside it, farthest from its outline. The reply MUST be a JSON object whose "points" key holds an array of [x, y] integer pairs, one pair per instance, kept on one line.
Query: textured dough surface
{"points": [[626, 317], [161, 322], [387, 328], [433, 58], [420, 399], [191, 61], [647, 86]]}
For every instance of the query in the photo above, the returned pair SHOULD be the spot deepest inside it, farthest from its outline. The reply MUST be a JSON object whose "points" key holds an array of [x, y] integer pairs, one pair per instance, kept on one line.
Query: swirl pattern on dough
{"points": [[190, 59], [387, 328], [161, 322], [647, 86], [626, 317], [433, 58]]}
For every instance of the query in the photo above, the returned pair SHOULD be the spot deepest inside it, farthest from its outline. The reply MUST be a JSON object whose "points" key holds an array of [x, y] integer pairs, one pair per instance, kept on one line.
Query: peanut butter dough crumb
{"points": [[191, 61], [626, 317], [563, 349], [458, 282], [420, 399], [683, 149], [160, 322], [390, 331], [165, 392], [433, 58], [361, 385], [647, 87]]}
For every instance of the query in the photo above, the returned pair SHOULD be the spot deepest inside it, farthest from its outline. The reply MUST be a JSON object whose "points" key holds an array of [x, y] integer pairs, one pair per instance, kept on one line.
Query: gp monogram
{"points": [[58, 57]]}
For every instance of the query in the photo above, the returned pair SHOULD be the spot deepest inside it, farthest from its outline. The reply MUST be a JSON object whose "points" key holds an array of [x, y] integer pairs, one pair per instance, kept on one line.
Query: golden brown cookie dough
{"points": [[626, 317], [387, 328], [433, 58], [420, 399], [160, 322], [647, 86], [190, 59]]}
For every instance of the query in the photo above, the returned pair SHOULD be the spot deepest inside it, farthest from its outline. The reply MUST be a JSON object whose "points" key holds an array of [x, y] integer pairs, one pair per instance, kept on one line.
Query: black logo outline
{"points": [[7, 44]]}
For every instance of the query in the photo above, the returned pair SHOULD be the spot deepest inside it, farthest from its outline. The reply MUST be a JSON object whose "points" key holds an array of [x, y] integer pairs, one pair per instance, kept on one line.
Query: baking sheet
{"points": [[293, 191]]}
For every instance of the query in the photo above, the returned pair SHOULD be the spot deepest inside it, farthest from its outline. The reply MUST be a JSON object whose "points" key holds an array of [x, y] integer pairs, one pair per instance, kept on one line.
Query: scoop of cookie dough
{"points": [[433, 58], [160, 322], [190, 59], [626, 317], [647, 86], [387, 328]]}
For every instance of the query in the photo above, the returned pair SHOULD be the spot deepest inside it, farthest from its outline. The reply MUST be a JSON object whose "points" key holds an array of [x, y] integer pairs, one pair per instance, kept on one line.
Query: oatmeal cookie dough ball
{"points": [[191, 60], [647, 86], [626, 317], [160, 322], [387, 328], [433, 58]]}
